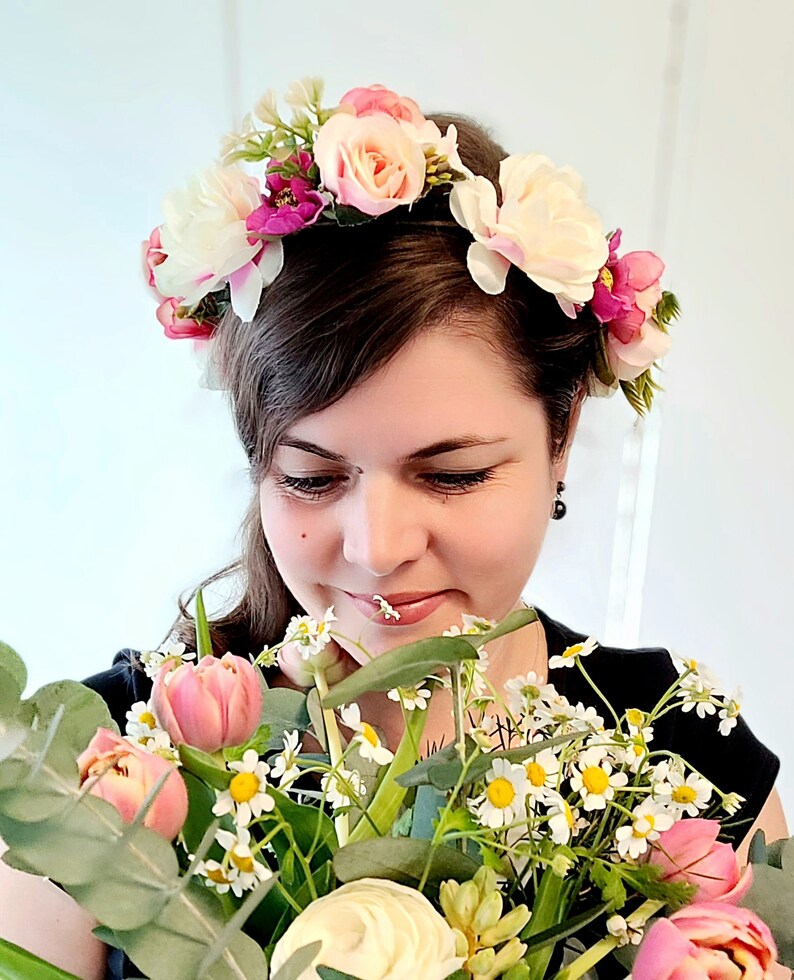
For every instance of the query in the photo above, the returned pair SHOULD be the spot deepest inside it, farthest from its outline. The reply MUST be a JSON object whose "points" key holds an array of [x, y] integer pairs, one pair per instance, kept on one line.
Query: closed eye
{"points": [[315, 487]]}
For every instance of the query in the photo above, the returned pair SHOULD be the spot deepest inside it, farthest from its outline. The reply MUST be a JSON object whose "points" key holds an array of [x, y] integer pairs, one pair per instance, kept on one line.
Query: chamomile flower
{"points": [[542, 773], [160, 744], [389, 612], [344, 787], [624, 930], [247, 796], [729, 713], [242, 870], [411, 697], [141, 722], [504, 800], [649, 819], [684, 795], [310, 636], [732, 803], [171, 649], [594, 780], [568, 656], [564, 821], [366, 738], [524, 690], [285, 767]]}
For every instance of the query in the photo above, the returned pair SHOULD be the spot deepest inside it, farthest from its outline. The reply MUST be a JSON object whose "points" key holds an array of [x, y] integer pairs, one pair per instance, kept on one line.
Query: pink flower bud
{"points": [[708, 939], [209, 705], [689, 851], [123, 774], [300, 671]]}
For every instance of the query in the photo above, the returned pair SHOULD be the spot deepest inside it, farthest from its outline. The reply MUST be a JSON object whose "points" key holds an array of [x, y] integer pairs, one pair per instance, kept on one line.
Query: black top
{"points": [[736, 763]]}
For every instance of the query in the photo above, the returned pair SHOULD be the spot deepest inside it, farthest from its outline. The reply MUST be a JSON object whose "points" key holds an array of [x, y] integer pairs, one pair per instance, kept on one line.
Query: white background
{"points": [[122, 483]]}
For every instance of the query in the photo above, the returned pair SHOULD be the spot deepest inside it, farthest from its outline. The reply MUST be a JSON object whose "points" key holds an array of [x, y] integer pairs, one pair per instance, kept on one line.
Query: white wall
{"points": [[122, 482]]}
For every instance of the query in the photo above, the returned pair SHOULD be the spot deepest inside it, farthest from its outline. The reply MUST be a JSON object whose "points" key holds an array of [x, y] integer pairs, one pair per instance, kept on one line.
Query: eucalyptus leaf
{"points": [[18, 964], [299, 962], [283, 710], [403, 860], [84, 712], [771, 896], [329, 973], [401, 667], [16, 674], [427, 804]]}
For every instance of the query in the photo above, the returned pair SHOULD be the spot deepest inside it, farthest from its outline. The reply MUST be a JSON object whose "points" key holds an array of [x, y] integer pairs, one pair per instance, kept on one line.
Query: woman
{"points": [[408, 422]]}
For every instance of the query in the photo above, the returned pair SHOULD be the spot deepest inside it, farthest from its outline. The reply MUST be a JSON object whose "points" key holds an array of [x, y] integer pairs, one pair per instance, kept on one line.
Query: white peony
{"points": [[376, 930], [543, 226], [206, 242]]}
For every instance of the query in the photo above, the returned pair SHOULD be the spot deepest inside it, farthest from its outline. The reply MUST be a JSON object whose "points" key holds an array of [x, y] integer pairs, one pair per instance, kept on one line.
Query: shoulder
{"points": [[124, 683]]}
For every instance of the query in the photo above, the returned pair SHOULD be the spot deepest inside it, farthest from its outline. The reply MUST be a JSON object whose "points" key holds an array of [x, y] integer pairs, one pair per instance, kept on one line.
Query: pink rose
{"points": [[629, 360], [377, 98], [181, 328], [123, 774], [369, 162], [689, 851], [209, 705], [709, 940]]}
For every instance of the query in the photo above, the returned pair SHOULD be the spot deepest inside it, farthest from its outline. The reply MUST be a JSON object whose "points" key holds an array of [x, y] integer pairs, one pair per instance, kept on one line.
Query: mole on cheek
{"points": [[303, 534]]}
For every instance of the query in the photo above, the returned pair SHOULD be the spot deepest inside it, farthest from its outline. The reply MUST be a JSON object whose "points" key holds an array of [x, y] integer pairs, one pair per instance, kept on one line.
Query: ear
{"points": [[560, 467]]}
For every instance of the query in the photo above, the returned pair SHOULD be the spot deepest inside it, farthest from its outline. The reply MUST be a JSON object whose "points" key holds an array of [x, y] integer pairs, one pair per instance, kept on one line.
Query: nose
{"points": [[383, 527]]}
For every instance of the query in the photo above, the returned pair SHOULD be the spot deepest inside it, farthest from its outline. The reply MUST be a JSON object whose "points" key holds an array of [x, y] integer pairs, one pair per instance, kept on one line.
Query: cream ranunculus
{"points": [[628, 361], [376, 930], [206, 241], [543, 226]]}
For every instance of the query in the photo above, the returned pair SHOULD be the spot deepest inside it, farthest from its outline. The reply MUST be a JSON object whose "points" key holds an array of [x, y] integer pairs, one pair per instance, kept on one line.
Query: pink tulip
{"points": [[689, 851], [123, 774], [209, 705], [373, 99], [707, 941]]}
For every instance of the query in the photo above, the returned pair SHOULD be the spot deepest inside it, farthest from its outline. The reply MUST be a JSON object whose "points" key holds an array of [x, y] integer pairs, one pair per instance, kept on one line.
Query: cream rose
{"points": [[369, 162], [543, 226], [376, 930], [205, 238]]}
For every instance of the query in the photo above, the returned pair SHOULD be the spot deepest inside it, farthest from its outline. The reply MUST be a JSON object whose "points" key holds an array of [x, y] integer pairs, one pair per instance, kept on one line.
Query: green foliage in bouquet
{"points": [[772, 892]]}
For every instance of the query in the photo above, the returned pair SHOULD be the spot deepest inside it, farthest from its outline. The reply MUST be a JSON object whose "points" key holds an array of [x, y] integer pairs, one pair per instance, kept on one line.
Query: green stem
{"points": [[604, 947], [341, 821], [458, 711]]}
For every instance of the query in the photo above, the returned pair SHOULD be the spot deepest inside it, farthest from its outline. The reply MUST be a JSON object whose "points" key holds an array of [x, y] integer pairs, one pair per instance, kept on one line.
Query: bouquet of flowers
{"points": [[208, 842]]}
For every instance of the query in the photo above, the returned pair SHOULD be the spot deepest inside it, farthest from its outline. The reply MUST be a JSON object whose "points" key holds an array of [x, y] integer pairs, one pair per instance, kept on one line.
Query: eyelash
{"points": [[445, 483]]}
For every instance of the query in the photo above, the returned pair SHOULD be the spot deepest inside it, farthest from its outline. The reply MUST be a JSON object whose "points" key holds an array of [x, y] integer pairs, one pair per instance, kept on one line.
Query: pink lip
{"points": [[416, 607]]}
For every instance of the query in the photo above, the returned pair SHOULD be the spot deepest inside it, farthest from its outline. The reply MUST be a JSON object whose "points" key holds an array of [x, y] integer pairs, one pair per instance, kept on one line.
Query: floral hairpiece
{"points": [[221, 242]]}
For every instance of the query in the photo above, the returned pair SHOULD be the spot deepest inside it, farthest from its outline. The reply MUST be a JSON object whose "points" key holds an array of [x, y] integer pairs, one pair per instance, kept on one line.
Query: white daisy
{"points": [[648, 820], [308, 635], [171, 649], [160, 744], [524, 690], [141, 722], [687, 796], [367, 739], [411, 697], [592, 777], [505, 795], [343, 787], [389, 612], [568, 656], [247, 796], [240, 859], [542, 773], [285, 767], [564, 821], [730, 712]]}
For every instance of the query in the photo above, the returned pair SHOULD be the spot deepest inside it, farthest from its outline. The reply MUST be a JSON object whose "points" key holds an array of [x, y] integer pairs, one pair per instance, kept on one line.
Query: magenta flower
{"points": [[292, 203], [627, 290]]}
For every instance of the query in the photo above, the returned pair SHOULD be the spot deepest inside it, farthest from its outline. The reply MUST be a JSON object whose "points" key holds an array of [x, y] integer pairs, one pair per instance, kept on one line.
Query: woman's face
{"points": [[432, 478]]}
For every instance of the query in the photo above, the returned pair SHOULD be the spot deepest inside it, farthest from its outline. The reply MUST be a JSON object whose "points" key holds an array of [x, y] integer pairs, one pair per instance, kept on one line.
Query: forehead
{"points": [[441, 384]]}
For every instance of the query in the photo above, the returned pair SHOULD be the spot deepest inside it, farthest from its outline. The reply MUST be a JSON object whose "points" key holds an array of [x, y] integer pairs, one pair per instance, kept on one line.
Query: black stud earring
{"points": [[559, 510]]}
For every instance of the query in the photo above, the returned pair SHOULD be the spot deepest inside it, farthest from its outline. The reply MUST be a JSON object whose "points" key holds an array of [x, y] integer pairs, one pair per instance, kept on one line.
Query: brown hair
{"points": [[346, 301]]}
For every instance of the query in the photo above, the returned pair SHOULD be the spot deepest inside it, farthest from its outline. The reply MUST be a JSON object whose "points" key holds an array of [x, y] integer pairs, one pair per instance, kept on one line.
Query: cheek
{"points": [[299, 537]]}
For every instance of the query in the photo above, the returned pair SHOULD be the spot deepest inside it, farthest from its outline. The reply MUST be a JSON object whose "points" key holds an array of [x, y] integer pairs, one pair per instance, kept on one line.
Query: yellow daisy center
{"points": [[501, 793], [644, 822], [595, 779], [217, 875], [684, 794], [572, 651], [244, 862], [607, 278], [638, 749], [536, 773], [244, 787], [568, 814], [370, 735], [635, 717], [147, 718]]}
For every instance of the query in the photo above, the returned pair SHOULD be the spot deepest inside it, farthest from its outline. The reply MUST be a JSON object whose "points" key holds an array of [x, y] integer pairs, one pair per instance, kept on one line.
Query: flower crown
{"points": [[221, 242]]}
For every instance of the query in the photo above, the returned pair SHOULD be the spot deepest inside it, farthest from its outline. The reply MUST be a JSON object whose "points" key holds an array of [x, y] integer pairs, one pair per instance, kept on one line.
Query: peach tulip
{"points": [[123, 774], [209, 705]]}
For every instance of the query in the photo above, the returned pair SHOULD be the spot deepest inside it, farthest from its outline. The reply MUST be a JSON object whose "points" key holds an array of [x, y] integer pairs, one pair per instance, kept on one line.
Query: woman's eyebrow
{"points": [[426, 452]]}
